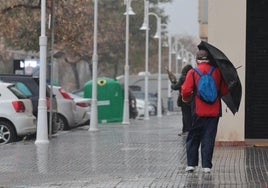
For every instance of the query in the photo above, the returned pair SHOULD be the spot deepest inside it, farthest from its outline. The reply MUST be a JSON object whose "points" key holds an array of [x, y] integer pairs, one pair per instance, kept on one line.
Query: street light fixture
{"points": [[94, 110], [169, 45], [128, 12], [42, 130], [129, 9]]}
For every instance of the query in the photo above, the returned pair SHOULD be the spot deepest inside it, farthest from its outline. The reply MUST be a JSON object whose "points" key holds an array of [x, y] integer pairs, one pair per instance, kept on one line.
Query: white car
{"points": [[82, 109], [140, 107], [65, 108], [72, 112], [16, 114]]}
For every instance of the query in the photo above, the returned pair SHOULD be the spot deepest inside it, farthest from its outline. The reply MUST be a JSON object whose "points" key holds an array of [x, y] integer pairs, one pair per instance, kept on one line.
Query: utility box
{"points": [[110, 99]]}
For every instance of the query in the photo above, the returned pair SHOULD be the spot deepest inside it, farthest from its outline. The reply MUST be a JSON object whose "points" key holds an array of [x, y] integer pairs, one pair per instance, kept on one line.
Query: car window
{"points": [[139, 95], [23, 88], [152, 95], [79, 92], [17, 92]]}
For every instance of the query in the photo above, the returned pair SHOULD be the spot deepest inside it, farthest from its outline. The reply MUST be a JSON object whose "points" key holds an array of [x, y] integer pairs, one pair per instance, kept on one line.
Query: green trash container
{"points": [[110, 99]]}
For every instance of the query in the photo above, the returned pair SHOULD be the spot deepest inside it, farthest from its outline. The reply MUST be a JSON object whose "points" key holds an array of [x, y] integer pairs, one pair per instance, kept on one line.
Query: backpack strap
{"points": [[198, 71], [211, 70]]}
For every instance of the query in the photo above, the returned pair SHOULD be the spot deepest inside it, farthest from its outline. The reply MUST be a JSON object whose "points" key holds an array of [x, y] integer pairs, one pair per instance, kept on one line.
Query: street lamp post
{"points": [[177, 57], [179, 54], [159, 96], [169, 45], [170, 104], [126, 77], [182, 55], [191, 58], [42, 130], [94, 110], [185, 57], [145, 26], [159, 88], [177, 61]]}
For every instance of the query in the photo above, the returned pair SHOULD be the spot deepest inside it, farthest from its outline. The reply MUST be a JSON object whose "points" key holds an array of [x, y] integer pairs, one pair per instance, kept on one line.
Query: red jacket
{"points": [[202, 108]]}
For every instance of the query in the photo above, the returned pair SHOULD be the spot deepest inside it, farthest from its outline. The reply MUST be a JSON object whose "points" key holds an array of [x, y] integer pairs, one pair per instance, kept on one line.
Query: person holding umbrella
{"points": [[205, 114], [229, 74]]}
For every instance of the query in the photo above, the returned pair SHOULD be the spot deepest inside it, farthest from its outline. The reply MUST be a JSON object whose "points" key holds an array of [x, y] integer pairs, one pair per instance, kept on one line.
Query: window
{"points": [[24, 89], [17, 92]]}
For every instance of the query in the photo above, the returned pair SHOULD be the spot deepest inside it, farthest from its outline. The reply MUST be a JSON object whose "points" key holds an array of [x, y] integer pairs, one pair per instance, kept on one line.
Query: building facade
{"points": [[239, 28]]}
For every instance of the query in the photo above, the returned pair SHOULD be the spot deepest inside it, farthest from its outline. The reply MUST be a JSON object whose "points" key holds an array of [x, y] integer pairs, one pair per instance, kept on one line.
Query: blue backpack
{"points": [[206, 87]]}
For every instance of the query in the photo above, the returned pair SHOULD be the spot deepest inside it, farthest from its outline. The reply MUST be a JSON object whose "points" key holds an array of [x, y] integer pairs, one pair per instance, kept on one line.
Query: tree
{"points": [[74, 32]]}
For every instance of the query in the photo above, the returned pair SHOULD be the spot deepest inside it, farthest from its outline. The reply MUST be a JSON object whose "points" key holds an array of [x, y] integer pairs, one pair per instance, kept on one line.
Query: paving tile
{"points": [[146, 153]]}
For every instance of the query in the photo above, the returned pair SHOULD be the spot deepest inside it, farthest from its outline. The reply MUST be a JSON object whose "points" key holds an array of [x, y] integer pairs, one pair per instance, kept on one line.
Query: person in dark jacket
{"points": [[185, 107], [205, 115]]}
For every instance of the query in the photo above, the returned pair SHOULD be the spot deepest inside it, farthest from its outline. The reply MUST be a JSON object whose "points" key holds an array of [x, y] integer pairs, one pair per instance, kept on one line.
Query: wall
{"points": [[227, 31], [203, 19]]}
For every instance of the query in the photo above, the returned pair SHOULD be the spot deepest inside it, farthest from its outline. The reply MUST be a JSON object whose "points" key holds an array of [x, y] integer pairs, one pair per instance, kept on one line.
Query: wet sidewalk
{"points": [[144, 154]]}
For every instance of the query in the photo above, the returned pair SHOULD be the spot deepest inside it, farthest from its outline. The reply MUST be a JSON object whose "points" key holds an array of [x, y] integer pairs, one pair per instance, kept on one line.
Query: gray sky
{"points": [[183, 17]]}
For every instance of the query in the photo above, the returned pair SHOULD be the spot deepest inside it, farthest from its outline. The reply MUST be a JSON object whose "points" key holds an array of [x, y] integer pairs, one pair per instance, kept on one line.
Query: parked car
{"points": [[70, 113], [29, 86], [79, 92], [141, 110], [82, 108], [16, 117], [65, 108], [152, 99], [133, 110]]}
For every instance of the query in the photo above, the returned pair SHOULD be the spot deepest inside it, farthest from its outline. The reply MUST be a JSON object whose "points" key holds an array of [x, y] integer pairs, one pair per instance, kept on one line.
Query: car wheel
{"points": [[54, 123], [155, 110], [7, 132], [62, 123]]}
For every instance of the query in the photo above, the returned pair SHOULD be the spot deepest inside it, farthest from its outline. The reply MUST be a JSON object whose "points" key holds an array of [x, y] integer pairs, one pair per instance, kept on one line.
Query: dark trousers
{"points": [[203, 132], [186, 117]]}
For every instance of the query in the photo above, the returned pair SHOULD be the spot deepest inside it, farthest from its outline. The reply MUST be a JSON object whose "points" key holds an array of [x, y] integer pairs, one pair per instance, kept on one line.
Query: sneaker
{"points": [[189, 169], [206, 170]]}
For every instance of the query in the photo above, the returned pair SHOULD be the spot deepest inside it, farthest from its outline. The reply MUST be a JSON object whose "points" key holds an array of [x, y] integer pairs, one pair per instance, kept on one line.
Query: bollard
{"points": [[170, 104]]}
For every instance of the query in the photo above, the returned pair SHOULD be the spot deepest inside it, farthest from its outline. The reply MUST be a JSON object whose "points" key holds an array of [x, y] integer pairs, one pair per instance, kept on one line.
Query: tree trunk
{"points": [[76, 76]]}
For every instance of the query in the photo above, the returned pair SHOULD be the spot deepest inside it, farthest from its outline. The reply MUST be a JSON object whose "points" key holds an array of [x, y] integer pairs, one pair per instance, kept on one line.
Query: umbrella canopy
{"points": [[229, 74]]}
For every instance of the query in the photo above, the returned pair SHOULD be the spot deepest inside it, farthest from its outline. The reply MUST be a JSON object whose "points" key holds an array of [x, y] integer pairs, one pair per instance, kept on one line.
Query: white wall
{"points": [[227, 31]]}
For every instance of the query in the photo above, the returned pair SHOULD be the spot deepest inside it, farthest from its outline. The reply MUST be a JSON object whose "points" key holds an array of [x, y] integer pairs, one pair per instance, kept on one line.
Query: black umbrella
{"points": [[229, 74]]}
